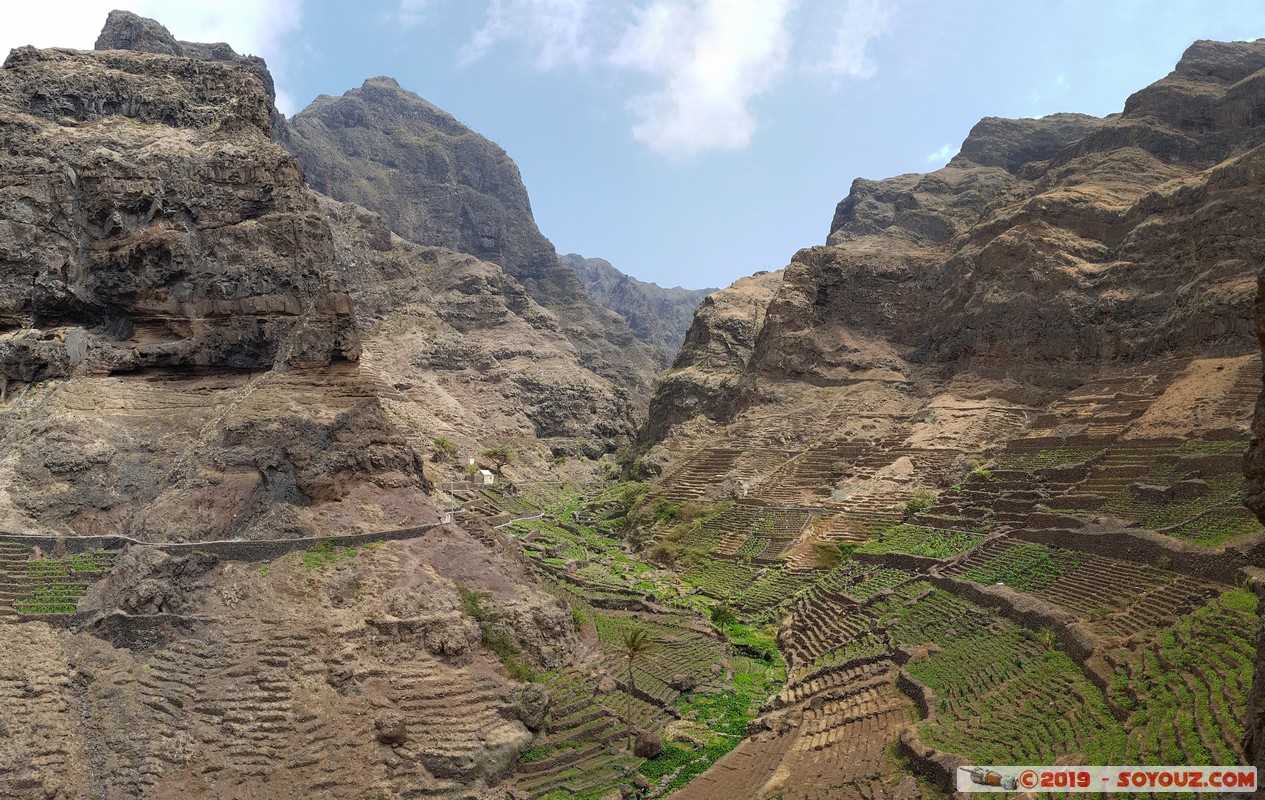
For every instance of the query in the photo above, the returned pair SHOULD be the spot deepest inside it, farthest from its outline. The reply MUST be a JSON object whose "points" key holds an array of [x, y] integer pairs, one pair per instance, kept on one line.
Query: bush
{"points": [[499, 456], [443, 450], [922, 500]]}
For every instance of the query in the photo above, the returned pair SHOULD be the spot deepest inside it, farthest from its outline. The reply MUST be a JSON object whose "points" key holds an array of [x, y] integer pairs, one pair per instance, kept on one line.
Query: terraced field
{"points": [[1001, 692], [1186, 689], [47, 585], [1004, 697], [690, 670]]}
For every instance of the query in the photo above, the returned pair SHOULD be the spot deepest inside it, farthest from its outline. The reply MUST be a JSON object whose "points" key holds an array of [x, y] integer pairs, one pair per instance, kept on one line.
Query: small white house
{"points": [[487, 477]]}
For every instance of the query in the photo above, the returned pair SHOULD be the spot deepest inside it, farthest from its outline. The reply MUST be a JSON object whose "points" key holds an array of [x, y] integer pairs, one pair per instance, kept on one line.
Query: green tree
{"points": [[499, 456], [636, 643], [443, 450], [723, 616]]}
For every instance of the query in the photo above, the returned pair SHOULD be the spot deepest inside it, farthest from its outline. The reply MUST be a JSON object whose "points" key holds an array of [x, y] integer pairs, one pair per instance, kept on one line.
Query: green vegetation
{"points": [[443, 450], [719, 719], [919, 540], [478, 606], [326, 554], [1026, 567], [636, 642], [1187, 691], [55, 585], [500, 455], [1003, 698], [723, 616], [922, 501]]}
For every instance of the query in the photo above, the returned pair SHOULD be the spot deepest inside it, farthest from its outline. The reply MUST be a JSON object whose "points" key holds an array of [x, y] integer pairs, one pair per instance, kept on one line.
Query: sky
{"points": [[692, 142]]}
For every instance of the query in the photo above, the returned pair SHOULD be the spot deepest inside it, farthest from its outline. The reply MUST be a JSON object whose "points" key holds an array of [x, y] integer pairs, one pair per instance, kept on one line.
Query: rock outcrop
{"points": [[439, 184], [178, 356], [658, 316], [704, 379], [249, 680]]}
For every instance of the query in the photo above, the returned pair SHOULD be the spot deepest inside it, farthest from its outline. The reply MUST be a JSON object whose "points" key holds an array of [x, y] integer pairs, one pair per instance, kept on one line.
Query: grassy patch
{"points": [[326, 554], [1027, 567], [919, 540]]}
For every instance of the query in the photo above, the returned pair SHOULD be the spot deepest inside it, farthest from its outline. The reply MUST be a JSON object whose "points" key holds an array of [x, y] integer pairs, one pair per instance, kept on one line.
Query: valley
{"points": [[321, 475]]}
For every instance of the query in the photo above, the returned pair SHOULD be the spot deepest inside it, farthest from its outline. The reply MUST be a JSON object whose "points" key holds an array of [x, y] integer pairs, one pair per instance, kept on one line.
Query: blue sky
{"points": [[691, 142]]}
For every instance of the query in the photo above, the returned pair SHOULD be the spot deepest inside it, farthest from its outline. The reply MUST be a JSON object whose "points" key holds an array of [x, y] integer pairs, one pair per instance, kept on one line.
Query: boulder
{"points": [[389, 728], [648, 744]]}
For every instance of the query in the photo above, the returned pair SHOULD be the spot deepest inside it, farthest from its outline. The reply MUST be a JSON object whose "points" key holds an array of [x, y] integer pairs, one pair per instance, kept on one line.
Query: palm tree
{"points": [[636, 642]]}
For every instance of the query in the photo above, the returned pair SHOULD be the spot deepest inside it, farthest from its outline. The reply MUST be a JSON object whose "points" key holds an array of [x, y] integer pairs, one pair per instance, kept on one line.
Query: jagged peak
{"points": [[1225, 61], [1011, 143], [125, 30]]}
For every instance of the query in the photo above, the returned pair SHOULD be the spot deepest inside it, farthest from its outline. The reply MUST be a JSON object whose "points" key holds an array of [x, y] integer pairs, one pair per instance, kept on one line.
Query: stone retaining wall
{"points": [[243, 550], [1222, 565]]}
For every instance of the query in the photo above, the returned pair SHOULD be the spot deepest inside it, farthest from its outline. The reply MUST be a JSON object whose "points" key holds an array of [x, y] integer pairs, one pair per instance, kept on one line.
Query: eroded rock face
{"points": [[704, 378], [437, 183], [178, 357], [658, 316], [256, 683], [471, 352], [150, 222], [1043, 250], [147, 581]]}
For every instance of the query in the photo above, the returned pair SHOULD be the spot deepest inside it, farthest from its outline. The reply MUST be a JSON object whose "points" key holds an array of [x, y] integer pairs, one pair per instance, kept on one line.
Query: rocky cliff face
{"points": [[704, 379], [439, 184], [179, 358], [464, 351], [1044, 249], [658, 316]]}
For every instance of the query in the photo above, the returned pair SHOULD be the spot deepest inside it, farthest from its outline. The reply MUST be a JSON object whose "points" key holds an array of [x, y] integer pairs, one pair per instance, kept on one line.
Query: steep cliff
{"points": [[1044, 250], [704, 379], [658, 316], [179, 359], [439, 184]]}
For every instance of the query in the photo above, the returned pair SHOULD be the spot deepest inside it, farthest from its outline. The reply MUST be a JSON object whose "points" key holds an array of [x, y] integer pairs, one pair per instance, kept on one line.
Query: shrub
{"points": [[443, 450], [922, 500], [722, 615]]}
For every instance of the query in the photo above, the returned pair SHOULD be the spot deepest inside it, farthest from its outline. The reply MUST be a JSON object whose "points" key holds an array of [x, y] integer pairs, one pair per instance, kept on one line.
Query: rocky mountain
{"points": [[196, 347], [464, 352], [439, 184], [1044, 249], [998, 381], [657, 316]]}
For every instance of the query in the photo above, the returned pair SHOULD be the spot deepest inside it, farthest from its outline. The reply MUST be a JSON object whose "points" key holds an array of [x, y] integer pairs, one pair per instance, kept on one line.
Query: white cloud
{"points": [[249, 26], [73, 23], [858, 23], [942, 155], [715, 57], [410, 12], [556, 27]]}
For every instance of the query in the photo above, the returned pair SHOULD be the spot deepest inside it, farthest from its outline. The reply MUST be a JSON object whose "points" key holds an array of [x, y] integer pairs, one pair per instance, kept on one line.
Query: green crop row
{"points": [[920, 540], [1026, 567], [876, 582], [1003, 698], [1187, 690]]}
